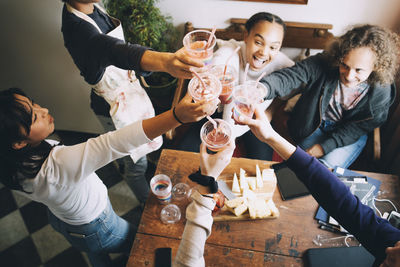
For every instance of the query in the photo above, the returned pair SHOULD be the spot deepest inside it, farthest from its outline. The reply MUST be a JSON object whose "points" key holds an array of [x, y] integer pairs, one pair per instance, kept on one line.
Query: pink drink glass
{"points": [[216, 139], [212, 90], [246, 96], [228, 81], [195, 43]]}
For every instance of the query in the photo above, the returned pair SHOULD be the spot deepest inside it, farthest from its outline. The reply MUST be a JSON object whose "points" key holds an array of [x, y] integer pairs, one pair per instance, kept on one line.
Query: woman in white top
{"points": [[63, 177], [260, 49]]}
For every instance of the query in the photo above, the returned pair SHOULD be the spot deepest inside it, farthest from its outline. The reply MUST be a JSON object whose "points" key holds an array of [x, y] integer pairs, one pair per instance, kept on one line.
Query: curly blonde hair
{"points": [[383, 42]]}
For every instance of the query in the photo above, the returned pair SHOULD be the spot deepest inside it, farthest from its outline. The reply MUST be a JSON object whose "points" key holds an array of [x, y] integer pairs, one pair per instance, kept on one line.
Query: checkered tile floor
{"points": [[26, 238]]}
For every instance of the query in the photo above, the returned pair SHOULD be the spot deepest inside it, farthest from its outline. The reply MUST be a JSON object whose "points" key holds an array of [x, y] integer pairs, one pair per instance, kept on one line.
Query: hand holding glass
{"points": [[195, 43], [216, 138], [245, 97]]}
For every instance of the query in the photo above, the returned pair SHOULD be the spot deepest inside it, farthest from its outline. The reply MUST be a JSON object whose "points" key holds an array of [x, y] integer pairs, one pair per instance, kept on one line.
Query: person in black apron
{"points": [[96, 43]]}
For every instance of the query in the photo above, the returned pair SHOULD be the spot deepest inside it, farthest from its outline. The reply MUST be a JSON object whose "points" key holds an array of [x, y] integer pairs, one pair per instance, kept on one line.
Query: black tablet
{"points": [[289, 185], [338, 257]]}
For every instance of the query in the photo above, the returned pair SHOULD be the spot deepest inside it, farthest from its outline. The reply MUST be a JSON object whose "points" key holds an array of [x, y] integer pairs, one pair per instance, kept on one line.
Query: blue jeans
{"points": [[108, 233], [134, 175], [341, 156]]}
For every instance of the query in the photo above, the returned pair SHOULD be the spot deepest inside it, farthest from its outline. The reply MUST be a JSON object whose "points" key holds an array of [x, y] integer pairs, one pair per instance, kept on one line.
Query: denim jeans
{"points": [[133, 173], [341, 156], [108, 233]]}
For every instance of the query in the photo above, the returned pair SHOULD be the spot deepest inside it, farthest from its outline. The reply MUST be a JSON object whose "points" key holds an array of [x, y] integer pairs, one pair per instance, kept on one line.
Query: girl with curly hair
{"points": [[347, 91]]}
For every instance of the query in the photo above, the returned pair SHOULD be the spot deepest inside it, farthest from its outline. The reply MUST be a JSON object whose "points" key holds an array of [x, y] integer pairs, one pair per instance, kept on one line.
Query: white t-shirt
{"points": [[67, 182], [238, 61]]}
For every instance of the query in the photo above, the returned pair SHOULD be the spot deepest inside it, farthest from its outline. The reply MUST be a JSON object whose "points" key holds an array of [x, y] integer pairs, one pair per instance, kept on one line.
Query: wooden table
{"points": [[273, 242]]}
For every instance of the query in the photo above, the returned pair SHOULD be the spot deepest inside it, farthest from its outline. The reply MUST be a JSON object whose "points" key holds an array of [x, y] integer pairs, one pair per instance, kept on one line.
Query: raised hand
{"points": [[187, 111], [214, 164], [180, 64], [260, 126], [316, 151]]}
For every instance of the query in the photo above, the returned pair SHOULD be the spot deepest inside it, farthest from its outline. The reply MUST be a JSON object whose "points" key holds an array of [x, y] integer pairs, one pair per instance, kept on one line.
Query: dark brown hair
{"points": [[263, 16], [15, 123]]}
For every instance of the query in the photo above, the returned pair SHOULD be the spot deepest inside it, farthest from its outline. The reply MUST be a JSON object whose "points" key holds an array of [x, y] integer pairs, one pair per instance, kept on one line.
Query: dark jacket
{"points": [[374, 233], [93, 51], [319, 80]]}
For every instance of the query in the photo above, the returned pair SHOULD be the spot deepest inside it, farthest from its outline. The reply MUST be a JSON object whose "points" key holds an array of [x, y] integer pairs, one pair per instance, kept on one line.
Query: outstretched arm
{"points": [[186, 111], [374, 233], [263, 130], [198, 213], [178, 64]]}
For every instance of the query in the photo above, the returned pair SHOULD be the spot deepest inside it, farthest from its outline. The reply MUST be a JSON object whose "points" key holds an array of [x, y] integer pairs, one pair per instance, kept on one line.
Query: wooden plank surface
{"points": [[143, 251], [289, 235]]}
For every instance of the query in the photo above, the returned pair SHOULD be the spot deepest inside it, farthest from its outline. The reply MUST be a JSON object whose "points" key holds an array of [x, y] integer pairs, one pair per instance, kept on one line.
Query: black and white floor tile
{"points": [[26, 238]]}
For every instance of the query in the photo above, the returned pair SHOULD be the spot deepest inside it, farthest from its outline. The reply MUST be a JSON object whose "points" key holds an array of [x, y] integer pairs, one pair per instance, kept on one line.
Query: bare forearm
{"points": [[154, 61], [159, 125], [281, 146]]}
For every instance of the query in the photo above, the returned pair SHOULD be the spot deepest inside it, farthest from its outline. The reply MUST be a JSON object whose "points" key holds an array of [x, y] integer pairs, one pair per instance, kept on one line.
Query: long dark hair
{"points": [[17, 165], [263, 16]]}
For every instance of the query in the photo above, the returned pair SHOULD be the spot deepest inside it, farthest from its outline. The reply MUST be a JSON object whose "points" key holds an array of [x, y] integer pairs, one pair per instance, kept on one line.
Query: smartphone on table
{"points": [[163, 257]]}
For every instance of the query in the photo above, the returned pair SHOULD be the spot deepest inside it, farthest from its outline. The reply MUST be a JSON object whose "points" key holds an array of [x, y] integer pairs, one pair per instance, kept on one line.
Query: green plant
{"points": [[144, 24]]}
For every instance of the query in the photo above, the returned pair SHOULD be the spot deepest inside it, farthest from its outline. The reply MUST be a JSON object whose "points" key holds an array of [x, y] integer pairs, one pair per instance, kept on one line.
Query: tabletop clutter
{"points": [[161, 186], [250, 196]]}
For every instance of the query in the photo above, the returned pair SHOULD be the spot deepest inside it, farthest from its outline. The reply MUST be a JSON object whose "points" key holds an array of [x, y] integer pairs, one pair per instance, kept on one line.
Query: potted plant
{"points": [[144, 24]]}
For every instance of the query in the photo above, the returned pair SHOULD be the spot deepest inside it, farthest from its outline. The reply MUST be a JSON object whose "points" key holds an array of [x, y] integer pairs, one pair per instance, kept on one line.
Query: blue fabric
{"points": [[374, 233], [108, 233], [341, 156], [134, 176]]}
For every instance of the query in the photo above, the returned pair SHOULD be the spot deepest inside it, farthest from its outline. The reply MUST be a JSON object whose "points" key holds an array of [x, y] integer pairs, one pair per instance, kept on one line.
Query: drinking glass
{"points": [[212, 87], [195, 43], [170, 214], [245, 98], [181, 191], [161, 186], [216, 138], [228, 77]]}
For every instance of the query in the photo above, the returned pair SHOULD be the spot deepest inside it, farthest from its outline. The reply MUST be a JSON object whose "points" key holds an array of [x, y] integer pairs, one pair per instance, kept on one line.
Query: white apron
{"points": [[127, 99]]}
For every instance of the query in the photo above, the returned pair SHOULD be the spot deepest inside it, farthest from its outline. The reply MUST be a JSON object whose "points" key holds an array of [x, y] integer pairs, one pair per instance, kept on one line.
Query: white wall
{"points": [[33, 56], [340, 13]]}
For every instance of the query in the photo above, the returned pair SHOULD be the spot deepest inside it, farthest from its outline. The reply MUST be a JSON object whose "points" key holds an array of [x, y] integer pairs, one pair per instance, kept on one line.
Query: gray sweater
{"points": [[197, 230], [320, 80]]}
